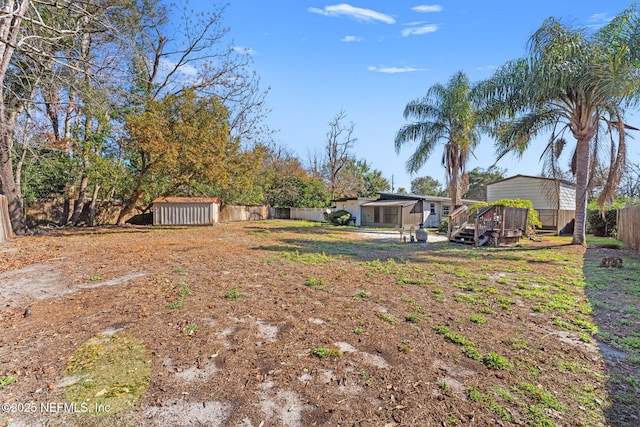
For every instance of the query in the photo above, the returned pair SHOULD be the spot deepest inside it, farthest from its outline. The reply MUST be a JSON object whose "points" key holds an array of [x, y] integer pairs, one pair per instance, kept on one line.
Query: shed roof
{"points": [[534, 177], [186, 200], [416, 197]]}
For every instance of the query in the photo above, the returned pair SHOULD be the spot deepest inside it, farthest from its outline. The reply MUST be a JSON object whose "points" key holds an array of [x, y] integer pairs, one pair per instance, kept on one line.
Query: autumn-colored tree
{"points": [[180, 139]]}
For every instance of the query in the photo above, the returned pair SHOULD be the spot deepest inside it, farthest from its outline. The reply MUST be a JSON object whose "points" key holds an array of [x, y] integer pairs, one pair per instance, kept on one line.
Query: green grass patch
{"points": [[404, 280], [471, 352], [108, 374], [538, 393], [313, 283], [496, 362], [307, 257], [453, 337], [387, 317], [8, 379], [323, 352], [232, 295], [362, 295], [177, 304], [183, 290], [412, 318], [477, 319]]}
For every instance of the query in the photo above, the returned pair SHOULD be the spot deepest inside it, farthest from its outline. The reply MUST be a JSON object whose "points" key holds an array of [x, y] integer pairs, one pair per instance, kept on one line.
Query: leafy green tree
{"points": [[574, 81], [298, 192], [446, 114], [428, 186], [478, 180], [374, 182]]}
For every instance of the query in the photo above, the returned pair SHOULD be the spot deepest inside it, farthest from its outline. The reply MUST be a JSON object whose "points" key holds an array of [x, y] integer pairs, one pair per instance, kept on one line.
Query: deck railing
{"points": [[457, 221], [484, 221]]}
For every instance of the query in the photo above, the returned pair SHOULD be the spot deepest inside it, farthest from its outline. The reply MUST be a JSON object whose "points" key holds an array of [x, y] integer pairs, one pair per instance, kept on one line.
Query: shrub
{"points": [[601, 223], [339, 217], [443, 227], [534, 220]]}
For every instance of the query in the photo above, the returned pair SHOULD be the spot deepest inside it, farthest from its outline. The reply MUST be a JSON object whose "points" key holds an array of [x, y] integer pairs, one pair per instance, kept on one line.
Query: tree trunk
{"points": [[583, 158], [9, 189], [10, 21], [78, 205], [92, 206], [129, 207]]}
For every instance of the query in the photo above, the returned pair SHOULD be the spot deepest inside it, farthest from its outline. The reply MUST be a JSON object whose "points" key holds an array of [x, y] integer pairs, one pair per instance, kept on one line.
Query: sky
{"points": [[368, 59]]}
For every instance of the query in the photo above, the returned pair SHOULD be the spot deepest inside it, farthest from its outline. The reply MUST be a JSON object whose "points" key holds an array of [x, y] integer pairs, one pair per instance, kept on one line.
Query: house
{"points": [[554, 199], [398, 210], [186, 211]]}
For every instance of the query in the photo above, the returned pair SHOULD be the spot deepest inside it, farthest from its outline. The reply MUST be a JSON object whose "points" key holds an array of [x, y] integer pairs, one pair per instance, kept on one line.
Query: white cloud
{"points": [[356, 13], [427, 8], [244, 50], [395, 70], [487, 68], [417, 31], [599, 17], [348, 39], [166, 66]]}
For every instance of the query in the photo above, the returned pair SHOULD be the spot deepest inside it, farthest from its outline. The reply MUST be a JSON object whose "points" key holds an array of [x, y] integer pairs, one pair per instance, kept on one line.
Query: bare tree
{"points": [[197, 60], [630, 184], [340, 141], [32, 36]]}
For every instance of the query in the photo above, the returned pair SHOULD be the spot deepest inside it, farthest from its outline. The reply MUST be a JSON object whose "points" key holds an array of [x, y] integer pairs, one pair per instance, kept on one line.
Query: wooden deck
{"points": [[493, 225]]}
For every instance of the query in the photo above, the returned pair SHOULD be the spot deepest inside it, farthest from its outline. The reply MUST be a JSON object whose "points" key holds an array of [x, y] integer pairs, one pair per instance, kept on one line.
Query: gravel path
{"points": [[393, 235]]}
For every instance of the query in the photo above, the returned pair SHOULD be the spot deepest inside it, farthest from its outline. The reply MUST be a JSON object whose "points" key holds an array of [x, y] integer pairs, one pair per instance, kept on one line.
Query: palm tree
{"points": [[571, 81], [445, 114]]}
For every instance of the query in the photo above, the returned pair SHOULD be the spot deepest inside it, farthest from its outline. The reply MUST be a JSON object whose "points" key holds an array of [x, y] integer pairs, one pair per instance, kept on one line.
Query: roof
{"points": [[384, 196], [535, 177], [391, 203], [186, 200]]}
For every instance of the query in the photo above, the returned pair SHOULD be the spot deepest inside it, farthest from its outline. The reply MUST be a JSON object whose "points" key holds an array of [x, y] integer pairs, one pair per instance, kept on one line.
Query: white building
{"points": [[398, 210]]}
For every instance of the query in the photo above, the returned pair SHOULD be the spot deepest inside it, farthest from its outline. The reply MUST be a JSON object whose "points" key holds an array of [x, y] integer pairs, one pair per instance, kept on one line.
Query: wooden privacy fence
{"points": [[243, 213], [6, 232], [629, 226]]}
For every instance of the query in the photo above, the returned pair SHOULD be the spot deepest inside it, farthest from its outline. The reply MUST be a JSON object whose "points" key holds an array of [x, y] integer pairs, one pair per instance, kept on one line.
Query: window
{"points": [[445, 210], [433, 209], [390, 215]]}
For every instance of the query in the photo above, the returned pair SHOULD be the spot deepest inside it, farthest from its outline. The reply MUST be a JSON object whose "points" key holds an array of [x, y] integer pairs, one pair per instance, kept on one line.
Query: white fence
{"points": [[310, 214], [5, 224]]}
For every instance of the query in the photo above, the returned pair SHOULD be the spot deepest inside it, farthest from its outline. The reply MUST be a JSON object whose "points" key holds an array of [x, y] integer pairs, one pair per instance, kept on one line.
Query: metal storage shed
{"points": [[186, 211]]}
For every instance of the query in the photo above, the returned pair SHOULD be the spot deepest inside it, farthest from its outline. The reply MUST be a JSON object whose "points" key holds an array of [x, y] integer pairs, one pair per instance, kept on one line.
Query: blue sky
{"points": [[370, 58]]}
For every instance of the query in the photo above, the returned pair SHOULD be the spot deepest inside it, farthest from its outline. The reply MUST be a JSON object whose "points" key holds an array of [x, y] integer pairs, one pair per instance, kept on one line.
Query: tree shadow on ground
{"points": [[614, 294]]}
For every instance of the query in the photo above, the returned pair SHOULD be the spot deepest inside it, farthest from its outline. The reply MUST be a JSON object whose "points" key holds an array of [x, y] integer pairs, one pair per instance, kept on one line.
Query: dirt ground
{"points": [[242, 346]]}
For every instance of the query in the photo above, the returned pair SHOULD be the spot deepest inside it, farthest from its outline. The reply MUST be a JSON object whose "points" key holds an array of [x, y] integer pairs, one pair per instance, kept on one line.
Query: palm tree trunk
{"points": [[583, 157]]}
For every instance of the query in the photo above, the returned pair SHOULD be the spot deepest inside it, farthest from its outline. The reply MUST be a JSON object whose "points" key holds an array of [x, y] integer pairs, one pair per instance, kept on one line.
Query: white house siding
{"points": [[353, 207]]}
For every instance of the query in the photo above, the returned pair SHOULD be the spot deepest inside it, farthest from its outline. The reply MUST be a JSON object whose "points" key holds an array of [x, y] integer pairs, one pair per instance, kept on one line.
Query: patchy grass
{"points": [[107, 374], [515, 336]]}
